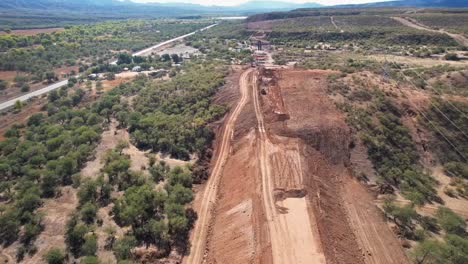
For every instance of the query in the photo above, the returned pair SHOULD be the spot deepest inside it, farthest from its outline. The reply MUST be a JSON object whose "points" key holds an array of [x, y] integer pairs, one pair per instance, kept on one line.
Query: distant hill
{"points": [[51, 13], [415, 3], [158, 9], [260, 5]]}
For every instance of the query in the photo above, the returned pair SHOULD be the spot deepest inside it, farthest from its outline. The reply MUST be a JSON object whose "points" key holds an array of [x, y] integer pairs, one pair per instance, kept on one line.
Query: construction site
{"points": [[281, 190]]}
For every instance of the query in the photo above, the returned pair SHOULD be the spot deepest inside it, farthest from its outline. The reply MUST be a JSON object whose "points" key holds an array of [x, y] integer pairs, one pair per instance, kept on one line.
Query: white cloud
{"points": [[237, 2]]}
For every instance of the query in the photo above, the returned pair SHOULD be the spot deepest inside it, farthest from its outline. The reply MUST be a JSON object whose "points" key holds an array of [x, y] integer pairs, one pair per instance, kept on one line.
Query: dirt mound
{"points": [[311, 116]]}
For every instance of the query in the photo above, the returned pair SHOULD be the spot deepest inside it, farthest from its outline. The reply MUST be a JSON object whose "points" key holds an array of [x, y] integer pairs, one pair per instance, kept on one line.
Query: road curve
{"points": [[11, 102], [200, 231], [418, 25]]}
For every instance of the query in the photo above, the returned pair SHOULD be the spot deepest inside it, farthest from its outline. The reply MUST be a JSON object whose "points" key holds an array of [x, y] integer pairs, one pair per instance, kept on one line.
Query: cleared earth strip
{"points": [[200, 231]]}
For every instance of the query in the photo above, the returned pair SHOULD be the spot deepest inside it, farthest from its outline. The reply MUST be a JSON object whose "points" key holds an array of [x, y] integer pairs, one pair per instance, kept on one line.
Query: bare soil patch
{"points": [[56, 214], [346, 236], [9, 75], [420, 62]]}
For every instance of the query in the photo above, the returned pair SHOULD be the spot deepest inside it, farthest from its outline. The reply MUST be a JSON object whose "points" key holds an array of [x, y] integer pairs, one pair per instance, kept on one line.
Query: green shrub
{"points": [[123, 247], [450, 221], [55, 256], [452, 57]]}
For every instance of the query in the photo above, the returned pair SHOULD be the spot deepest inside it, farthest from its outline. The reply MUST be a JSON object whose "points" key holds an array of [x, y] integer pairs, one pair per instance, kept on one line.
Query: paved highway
{"points": [[57, 85]]}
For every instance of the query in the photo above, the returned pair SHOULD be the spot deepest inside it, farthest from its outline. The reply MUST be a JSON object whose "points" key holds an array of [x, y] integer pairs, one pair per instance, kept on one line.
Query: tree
{"points": [[138, 59], [18, 105], [53, 96], [87, 192], [88, 212], [158, 172], [75, 236], [54, 256], [123, 247], [180, 195], [9, 226], [121, 145], [450, 221], [3, 85], [90, 245], [50, 76], [158, 231], [429, 252], [25, 88], [452, 56], [36, 119], [175, 58], [116, 165], [124, 58], [139, 205], [28, 202], [165, 57], [403, 217], [99, 87], [90, 260], [110, 76]]}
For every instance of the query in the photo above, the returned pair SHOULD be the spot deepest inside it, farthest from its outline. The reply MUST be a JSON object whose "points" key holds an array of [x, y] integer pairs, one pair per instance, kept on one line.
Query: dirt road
{"points": [[291, 233], [200, 231], [332, 20], [418, 25]]}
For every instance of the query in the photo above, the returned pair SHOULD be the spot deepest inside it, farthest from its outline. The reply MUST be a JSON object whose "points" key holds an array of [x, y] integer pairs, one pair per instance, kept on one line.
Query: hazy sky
{"points": [[236, 2]]}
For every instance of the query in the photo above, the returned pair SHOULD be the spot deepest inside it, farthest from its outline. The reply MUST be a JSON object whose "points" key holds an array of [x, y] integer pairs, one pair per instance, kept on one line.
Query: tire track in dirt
{"points": [[289, 222], [200, 231], [418, 25]]}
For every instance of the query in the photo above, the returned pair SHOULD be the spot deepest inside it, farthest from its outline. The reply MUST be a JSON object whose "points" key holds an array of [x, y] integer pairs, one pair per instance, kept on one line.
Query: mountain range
{"points": [[170, 9], [415, 3], [26, 13]]}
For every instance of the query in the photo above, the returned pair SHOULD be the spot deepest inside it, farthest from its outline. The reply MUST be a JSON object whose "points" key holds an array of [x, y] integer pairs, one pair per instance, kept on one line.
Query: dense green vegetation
{"points": [[368, 29], [49, 151], [449, 126], [389, 143], [38, 157], [52, 13], [227, 41], [452, 249], [376, 117], [85, 45], [171, 117], [361, 35]]}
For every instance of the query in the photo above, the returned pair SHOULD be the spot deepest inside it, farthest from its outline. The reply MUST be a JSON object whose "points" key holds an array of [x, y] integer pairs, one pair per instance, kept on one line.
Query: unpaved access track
{"points": [[418, 25], [200, 231]]}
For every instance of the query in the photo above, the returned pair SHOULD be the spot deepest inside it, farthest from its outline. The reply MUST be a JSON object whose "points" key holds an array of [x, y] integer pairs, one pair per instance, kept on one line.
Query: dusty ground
{"points": [[30, 32], [282, 192], [56, 214], [179, 49], [422, 62], [9, 75]]}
